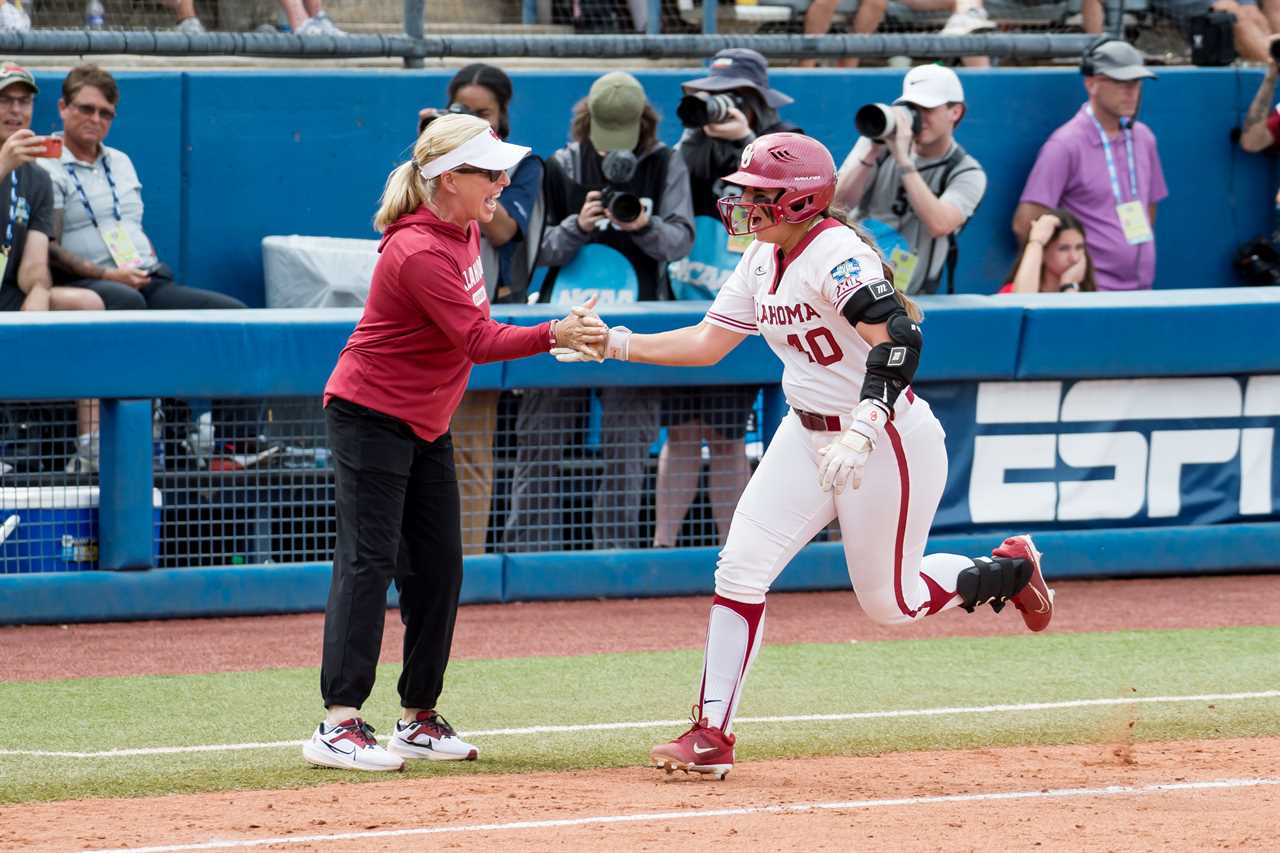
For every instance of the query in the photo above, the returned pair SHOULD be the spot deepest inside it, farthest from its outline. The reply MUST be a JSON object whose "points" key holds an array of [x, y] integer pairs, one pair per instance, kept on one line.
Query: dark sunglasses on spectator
{"points": [[89, 111], [494, 175]]}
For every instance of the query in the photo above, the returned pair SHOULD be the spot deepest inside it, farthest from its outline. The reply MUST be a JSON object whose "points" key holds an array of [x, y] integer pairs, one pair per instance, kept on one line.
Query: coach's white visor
{"points": [[483, 151]]}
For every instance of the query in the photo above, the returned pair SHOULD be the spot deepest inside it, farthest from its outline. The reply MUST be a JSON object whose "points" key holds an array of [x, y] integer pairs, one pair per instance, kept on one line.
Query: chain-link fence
{"points": [[251, 481]]}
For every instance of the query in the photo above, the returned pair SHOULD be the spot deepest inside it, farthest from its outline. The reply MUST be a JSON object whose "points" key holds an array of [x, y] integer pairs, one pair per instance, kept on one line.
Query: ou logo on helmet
{"points": [[746, 156]]}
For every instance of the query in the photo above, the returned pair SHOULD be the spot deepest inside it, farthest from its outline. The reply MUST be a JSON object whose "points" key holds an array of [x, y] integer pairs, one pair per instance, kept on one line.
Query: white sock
{"points": [[735, 633], [942, 570]]}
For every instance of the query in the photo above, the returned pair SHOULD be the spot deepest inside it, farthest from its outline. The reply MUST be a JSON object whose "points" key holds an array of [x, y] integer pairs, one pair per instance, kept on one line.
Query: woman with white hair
{"points": [[388, 405]]}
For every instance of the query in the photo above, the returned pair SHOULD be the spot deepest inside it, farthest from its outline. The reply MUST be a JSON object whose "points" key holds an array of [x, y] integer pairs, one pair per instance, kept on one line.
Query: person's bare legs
{"points": [[679, 465], [295, 12], [1092, 18], [729, 474], [817, 21], [80, 299], [182, 9]]}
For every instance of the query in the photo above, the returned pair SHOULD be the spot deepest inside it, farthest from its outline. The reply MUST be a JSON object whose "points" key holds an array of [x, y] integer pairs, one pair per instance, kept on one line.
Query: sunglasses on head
{"points": [[494, 175]]}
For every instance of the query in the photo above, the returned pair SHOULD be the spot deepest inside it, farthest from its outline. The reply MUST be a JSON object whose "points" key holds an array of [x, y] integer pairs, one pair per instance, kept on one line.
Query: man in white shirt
{"points": [[99, 243]]}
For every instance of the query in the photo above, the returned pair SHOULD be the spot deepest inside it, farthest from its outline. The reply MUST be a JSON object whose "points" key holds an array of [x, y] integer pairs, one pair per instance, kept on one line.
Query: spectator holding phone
{"points": [[1054, 259]]}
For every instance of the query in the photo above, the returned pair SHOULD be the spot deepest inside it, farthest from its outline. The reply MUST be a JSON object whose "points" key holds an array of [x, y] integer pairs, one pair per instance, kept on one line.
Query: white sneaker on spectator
{"points": [[5, 468], [320, 25], [968, 22], [13, 19], [191, 26], [85, 459]]}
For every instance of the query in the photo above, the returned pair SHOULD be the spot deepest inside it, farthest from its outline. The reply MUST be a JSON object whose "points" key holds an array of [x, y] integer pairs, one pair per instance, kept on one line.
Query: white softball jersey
{"points": [[795, 302]]}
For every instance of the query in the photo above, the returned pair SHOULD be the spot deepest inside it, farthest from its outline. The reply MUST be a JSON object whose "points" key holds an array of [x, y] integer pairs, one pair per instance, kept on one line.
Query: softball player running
{"points": [[857, 445]]}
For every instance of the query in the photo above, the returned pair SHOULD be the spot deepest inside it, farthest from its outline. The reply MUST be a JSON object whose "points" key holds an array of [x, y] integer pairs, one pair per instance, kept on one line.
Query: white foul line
{"points": [[655, 817], [653, 724]]}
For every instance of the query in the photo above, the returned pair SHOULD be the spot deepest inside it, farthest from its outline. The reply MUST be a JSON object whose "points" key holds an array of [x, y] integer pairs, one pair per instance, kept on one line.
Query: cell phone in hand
{"points": [[52, 147]]}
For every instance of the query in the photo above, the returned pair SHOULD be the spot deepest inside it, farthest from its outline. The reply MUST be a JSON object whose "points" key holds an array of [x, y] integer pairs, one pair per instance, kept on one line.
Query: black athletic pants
{"points": [[398, 518]]}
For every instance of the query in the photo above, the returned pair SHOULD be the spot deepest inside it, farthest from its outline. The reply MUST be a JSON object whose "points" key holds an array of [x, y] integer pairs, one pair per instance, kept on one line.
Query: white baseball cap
{"points": [[931, 86]]}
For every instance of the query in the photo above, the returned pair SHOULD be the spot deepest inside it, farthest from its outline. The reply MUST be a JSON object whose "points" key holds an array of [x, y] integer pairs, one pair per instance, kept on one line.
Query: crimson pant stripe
{"points": [[904, 503], [751, 614]]}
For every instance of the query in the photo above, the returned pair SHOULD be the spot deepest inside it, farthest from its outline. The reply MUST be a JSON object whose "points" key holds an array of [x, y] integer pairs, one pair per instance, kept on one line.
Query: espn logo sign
{"points": [[1108, 449]]}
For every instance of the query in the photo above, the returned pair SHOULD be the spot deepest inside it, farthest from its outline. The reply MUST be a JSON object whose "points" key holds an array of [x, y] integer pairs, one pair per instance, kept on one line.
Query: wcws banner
{"points": [[1106, 453]]}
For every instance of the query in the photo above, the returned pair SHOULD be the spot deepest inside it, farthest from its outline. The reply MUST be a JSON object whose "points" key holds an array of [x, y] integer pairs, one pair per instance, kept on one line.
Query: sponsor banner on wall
{"points": [[1098, 453]]}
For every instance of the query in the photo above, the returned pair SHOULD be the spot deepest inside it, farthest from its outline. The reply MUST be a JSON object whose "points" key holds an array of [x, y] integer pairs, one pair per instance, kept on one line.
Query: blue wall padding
{"points": [[292, 351], [100, 596], [229, 157]]}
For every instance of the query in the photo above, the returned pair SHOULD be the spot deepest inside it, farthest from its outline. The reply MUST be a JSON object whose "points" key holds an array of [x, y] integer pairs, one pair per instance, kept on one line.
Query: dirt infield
{"points": [[654, 624], [1038, 798], [664, 813]]}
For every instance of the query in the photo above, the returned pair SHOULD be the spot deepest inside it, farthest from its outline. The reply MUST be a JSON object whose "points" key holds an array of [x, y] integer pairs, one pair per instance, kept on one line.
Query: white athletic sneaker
{"points": [[191, 26], [320, 25], [350, 745], [430, 736], [966, 23]]}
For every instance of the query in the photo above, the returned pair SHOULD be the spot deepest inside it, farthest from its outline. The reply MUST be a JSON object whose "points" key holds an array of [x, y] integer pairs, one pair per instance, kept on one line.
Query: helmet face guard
{"points": [[737, 214]]}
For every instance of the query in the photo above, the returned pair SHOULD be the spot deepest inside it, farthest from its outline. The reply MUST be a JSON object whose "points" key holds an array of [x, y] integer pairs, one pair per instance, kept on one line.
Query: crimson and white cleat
{"points": [[349, 745], [702, 749], [1035, 600], [430, 736]]}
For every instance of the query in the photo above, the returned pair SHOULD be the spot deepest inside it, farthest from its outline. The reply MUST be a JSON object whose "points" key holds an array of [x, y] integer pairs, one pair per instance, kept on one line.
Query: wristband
{"points": [[619, 344]]}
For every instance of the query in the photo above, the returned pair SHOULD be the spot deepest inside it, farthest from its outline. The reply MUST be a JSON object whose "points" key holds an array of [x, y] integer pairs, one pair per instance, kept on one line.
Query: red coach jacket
{"points": [[425, 323]]}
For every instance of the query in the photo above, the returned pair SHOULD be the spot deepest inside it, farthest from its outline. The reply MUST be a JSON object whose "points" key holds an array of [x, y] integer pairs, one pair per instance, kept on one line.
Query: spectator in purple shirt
{"points": [[1111, 186]]}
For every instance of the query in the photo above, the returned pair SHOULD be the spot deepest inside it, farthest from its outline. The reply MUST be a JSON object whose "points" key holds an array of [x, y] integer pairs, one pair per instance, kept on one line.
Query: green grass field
{"points": [[91, 715]]}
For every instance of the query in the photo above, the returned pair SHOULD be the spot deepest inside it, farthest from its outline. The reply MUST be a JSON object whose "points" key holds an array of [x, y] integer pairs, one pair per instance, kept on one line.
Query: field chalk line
{"points": [[657, 817], [653, 724]]}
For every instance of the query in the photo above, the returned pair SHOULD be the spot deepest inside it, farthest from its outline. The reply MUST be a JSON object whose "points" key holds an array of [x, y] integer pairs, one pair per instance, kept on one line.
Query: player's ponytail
{"points": [[406, 189], [908, 304]]}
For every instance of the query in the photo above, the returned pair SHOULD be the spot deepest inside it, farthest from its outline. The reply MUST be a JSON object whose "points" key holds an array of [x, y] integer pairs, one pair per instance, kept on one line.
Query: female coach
{"points": [[387, 406], [858, 445]]}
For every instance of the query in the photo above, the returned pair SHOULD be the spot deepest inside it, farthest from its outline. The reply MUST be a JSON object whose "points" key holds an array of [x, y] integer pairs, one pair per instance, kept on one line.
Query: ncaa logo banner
{"points": [[1106, 453]]}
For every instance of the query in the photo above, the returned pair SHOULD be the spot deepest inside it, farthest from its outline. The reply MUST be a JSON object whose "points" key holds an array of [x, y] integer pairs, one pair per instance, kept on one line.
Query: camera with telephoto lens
{"points": [[879, 121], [619, 167], [455, 107], [699, 109]]}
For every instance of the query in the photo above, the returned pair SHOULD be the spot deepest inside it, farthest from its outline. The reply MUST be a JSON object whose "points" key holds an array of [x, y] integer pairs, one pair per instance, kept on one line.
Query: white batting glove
{"points": [[617, 348], [845, 457]]}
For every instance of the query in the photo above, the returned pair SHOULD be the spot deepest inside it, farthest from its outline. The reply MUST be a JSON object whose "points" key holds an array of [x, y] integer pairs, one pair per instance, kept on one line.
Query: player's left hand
{"points": [[845, 457]]}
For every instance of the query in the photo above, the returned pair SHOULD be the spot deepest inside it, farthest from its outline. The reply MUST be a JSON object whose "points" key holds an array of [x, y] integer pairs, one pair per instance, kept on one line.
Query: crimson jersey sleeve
{"points": [[735, 305], [442, 294]]}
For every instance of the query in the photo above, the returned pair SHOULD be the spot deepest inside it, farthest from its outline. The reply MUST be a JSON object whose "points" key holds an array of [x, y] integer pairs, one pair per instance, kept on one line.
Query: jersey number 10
{"points": [[823, 348]]}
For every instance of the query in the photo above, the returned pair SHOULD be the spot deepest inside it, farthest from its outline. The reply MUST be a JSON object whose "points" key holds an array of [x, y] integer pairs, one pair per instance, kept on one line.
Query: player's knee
{"points": [[883, 610], [740, 583]]}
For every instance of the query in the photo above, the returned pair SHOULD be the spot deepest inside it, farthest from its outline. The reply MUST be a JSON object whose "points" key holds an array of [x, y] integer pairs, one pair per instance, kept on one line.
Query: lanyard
{"points": [[1111, 163], [13, 212], [84, 197]]}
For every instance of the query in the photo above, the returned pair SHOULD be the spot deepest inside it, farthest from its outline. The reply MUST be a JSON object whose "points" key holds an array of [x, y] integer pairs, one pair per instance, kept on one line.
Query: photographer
{"points": [[907, 171], [507, 250], [616, 185], [722, 112]]}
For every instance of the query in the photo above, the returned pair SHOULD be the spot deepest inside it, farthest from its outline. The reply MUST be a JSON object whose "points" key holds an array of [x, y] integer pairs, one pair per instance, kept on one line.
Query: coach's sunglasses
{"points": [[494, 175]]}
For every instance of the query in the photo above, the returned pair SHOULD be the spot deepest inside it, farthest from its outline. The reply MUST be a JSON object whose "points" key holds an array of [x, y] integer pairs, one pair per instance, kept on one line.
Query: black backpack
{"points": [[1212, 38]]}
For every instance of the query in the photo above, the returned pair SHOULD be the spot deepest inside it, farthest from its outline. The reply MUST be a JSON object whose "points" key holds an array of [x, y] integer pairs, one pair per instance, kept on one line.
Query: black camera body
{"points": [[879, 121], [455, 108], [699, 109], [619, 168]]}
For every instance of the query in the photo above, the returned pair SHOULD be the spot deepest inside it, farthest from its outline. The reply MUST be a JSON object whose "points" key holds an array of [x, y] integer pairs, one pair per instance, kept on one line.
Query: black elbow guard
{"points": [[891, 366], [872, 304]]}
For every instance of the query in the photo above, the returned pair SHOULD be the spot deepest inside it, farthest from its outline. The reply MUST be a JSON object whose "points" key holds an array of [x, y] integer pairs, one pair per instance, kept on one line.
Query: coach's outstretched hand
{"points": [[844, 458], [581, 331]]}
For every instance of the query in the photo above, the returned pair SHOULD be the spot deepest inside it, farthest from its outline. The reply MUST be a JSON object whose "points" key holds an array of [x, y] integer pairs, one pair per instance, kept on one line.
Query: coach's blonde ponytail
{"points": [[908, 304], [406, 189]]}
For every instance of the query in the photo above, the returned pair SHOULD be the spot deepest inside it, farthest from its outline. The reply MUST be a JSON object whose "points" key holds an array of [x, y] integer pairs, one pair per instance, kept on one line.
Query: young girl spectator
{"points": [[1055, 259]]}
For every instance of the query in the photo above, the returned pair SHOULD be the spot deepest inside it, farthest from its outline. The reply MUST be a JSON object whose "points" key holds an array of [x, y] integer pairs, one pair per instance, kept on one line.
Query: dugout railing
{"points": [[1105, 423]]}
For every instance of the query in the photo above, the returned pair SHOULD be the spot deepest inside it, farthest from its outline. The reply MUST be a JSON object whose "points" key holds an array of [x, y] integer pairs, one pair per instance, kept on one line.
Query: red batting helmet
{"points": [[799, 165]]}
